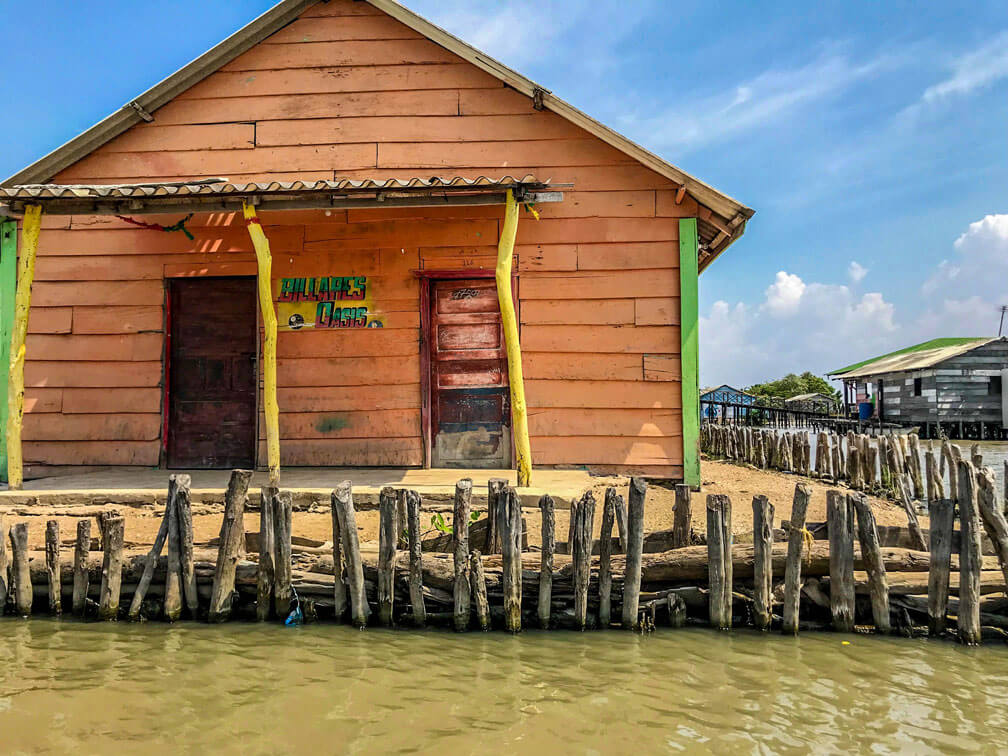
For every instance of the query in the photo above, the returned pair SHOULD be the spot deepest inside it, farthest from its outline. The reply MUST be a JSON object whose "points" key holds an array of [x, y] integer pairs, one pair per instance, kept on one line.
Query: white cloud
{"points": [[856, 272], [784, 295], [974, 70]]}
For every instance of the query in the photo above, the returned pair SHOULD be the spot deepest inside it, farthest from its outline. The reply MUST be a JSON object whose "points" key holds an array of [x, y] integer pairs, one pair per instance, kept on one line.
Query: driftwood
{"points": [[793, 569], [546, 507], [763, 517], [148, 574], [993, 517]]}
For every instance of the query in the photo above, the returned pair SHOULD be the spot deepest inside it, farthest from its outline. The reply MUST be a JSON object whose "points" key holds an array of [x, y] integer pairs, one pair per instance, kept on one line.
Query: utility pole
{"points": [[1004, 309]]}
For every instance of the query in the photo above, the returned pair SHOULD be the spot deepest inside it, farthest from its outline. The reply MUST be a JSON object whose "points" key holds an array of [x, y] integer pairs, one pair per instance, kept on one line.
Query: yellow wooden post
{"points": [[265, 265], [519, 412], [22, 303]]}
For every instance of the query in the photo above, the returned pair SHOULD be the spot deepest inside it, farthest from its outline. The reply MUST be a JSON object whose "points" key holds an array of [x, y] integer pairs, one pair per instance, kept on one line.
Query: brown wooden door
{"points": [[470, 412], [212, 373]]}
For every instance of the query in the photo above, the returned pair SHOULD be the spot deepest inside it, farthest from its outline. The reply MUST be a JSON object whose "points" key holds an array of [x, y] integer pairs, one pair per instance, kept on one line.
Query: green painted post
{"points": [[8, 285], [689, 299]]}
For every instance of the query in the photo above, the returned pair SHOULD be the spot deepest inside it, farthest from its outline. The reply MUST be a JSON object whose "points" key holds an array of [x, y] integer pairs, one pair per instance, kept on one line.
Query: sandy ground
{"points": [[739, 483]]}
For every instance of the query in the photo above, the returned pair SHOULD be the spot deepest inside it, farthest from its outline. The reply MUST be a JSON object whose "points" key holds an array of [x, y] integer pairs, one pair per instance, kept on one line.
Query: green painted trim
{"points": [[8, 285], [689, 299]]}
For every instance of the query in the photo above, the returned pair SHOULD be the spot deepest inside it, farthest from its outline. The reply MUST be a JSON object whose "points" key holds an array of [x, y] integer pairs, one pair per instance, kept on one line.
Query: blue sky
{"points": [[871, 138]]}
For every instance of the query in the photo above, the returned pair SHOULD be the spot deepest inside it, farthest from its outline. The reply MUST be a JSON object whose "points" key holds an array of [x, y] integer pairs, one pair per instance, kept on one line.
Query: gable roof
{"points": [[915, 357], [722, 220]]}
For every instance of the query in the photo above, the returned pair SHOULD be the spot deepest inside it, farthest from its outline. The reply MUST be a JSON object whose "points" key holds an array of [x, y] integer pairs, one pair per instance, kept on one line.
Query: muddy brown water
{"points": [[243, 688]]}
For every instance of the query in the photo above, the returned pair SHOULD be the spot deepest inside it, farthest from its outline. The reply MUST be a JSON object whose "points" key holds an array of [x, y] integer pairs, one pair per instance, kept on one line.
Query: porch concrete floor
{"points": [[308, 485]]}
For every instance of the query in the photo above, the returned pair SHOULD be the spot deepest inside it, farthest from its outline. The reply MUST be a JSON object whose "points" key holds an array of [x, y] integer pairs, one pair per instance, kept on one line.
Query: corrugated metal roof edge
{"points": [[287, 11], [968, 344]]}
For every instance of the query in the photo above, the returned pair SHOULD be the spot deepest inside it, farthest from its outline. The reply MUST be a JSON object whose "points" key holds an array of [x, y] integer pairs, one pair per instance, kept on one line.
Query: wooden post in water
{"points": [[581, 553], [840, 523], [415, 559], [970, 556], [719, 560], [187, 564], [460, 536], [605, 558], [52, 558], [173, 571], [993, 517], [20, 574], [509, 523], [913, 523], [634, 553], [478, 589], [4, 564], [343, 498], [546, 507], [621, 523], [112, 542], [853, 466], [265, 571], [495, 487], [682, 517], [82, 580], [149, 565], [942, 517], [283, 516], [792, 567], [913, 442], [763, 519], [387, 537], [871, 555], [232, 544]]}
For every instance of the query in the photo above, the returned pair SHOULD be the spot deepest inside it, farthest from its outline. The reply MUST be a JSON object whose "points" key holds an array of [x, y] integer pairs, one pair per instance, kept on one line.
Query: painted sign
{"points": [[325, 302]]}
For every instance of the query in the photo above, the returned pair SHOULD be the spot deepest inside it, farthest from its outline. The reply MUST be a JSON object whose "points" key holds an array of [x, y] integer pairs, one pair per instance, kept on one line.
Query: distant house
{"points": [[722, 402], [814, 402], [954, 385]]}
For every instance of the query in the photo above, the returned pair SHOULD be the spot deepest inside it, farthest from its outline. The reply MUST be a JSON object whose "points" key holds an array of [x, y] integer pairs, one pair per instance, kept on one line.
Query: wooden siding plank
{"points": [[662, 368], [364, 342], [602, 394], [50, 319], [139, 453], [342, 28], [577, 312], [99, 400], [44, 400], [136, 347], [97, 292], [428, 130], [654, 311], [340, 8], [554, 152], [640, 255], [92, 374], [666, 207], [344, 53], [347, 371], [605, 422], [332, 105], [154, 165], [598, 230], [350, 452], [368, 423], [600, 204], [600, 338], [494, 100], [556, 257], [588, 450], [349, 398], [576, 366], [92, 427], [157, 138], [59, 244], [419, 233], [599, 285]]}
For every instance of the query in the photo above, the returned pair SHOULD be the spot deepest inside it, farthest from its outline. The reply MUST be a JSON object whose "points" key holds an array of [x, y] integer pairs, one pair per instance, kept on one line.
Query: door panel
{"points": [[470, 412], [212, 373]]}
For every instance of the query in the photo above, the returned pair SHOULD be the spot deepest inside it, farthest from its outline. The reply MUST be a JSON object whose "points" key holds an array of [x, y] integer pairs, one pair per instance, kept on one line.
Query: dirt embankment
{"points": [[739, 483]]}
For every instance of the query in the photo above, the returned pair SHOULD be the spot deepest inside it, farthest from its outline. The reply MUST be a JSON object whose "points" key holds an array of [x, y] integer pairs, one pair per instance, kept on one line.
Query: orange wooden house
{"points": [[378, 154]]}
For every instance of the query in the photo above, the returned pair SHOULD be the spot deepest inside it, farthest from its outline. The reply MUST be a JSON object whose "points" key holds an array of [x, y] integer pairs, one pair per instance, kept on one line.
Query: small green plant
{"points": [[444, 525]]}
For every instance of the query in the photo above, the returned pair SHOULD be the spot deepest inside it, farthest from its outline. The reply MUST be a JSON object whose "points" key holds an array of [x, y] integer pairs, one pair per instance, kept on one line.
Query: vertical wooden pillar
{"points": [[8, 287], [509, 322], [689, 301], [272, 410], [22, 303]]}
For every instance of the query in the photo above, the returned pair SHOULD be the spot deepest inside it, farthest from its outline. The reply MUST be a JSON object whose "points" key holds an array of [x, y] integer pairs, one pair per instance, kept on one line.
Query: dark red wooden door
{"points": [[470, 412], [212, 373]]}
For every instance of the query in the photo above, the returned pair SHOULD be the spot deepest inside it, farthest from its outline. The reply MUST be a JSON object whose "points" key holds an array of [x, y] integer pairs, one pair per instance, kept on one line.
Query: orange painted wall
{"points": [[347, 92]]}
